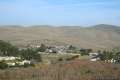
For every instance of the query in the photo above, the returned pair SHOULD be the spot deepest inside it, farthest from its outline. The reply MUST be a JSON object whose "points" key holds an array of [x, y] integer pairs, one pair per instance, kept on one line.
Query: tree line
{"points": [[7, 49]]}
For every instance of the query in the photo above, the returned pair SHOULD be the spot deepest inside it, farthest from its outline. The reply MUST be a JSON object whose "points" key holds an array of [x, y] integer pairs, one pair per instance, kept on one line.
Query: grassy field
{"points": [[54, 58], [66, 70]]}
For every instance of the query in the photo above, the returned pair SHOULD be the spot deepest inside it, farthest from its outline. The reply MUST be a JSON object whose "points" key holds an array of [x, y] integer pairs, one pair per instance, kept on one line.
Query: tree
{"points": [[85, 51], [107, 55], [3, 65], [38, 57], [117, 57], [13, 51], [6, 49], [71, 47], [30, 54], [42, 48]]}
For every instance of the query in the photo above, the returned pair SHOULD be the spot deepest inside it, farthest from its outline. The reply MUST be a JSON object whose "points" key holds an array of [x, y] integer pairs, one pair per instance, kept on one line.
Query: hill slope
{"points": [[99, 36]]}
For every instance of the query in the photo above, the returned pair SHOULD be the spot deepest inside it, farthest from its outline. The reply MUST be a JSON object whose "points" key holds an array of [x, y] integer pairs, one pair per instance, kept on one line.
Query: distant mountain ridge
{"points": [[106, 26], [96, 37], [94, 26]]}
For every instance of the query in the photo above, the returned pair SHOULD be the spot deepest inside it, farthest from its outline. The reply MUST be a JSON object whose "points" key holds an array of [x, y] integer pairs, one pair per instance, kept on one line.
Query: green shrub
{"points": [[42, 48], [60, 59], [3, 65], [117, 57], [26, 65]]}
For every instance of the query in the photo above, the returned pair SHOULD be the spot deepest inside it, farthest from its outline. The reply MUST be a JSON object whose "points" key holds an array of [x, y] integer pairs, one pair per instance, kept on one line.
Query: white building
{"points": [[9, 58], [110, 61], [94, 56], [11, 64], [24, 62]]}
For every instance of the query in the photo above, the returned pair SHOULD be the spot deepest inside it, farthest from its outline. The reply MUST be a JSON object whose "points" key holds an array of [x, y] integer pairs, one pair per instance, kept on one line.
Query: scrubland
{"points": [[65, 70]]}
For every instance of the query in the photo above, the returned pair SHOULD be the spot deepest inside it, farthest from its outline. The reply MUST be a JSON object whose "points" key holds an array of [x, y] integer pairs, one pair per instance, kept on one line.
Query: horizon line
{"points": [[47, 25]]}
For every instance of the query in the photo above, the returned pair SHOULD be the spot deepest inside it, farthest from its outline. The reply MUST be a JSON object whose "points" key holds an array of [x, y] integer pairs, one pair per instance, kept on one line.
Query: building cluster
{"points": [[98, 57], [13, 61], [56, 49]]}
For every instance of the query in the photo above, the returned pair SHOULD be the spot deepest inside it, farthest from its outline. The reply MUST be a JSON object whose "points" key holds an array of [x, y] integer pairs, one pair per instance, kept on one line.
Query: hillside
{"points": [[96, 37]]}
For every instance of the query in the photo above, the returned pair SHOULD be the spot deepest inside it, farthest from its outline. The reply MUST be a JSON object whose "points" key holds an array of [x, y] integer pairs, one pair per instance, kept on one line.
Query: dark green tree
{"points": [[42, 48], [85, 51], [117, 57], [6, 49], [71, 47], [30, 54], [107, 55], [3, 65]]}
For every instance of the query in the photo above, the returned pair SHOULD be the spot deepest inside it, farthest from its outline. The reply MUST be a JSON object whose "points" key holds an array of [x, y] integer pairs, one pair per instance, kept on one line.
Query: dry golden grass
{"points": [[72, 70]]}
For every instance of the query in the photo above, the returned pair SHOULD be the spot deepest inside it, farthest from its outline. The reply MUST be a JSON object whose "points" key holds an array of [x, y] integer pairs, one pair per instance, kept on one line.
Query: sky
{"points": [[59, 12]]}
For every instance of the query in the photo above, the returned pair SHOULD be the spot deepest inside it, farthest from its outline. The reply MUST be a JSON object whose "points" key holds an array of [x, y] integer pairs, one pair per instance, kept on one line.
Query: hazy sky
{"points": [[59, 12]]}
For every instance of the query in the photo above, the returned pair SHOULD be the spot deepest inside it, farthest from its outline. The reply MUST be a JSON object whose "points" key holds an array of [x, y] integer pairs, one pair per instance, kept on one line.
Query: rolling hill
{"points": [[96, 37]]}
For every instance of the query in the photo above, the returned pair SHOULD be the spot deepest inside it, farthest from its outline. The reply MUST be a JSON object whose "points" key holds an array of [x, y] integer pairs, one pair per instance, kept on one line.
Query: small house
{"points": [[94, 56]]}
